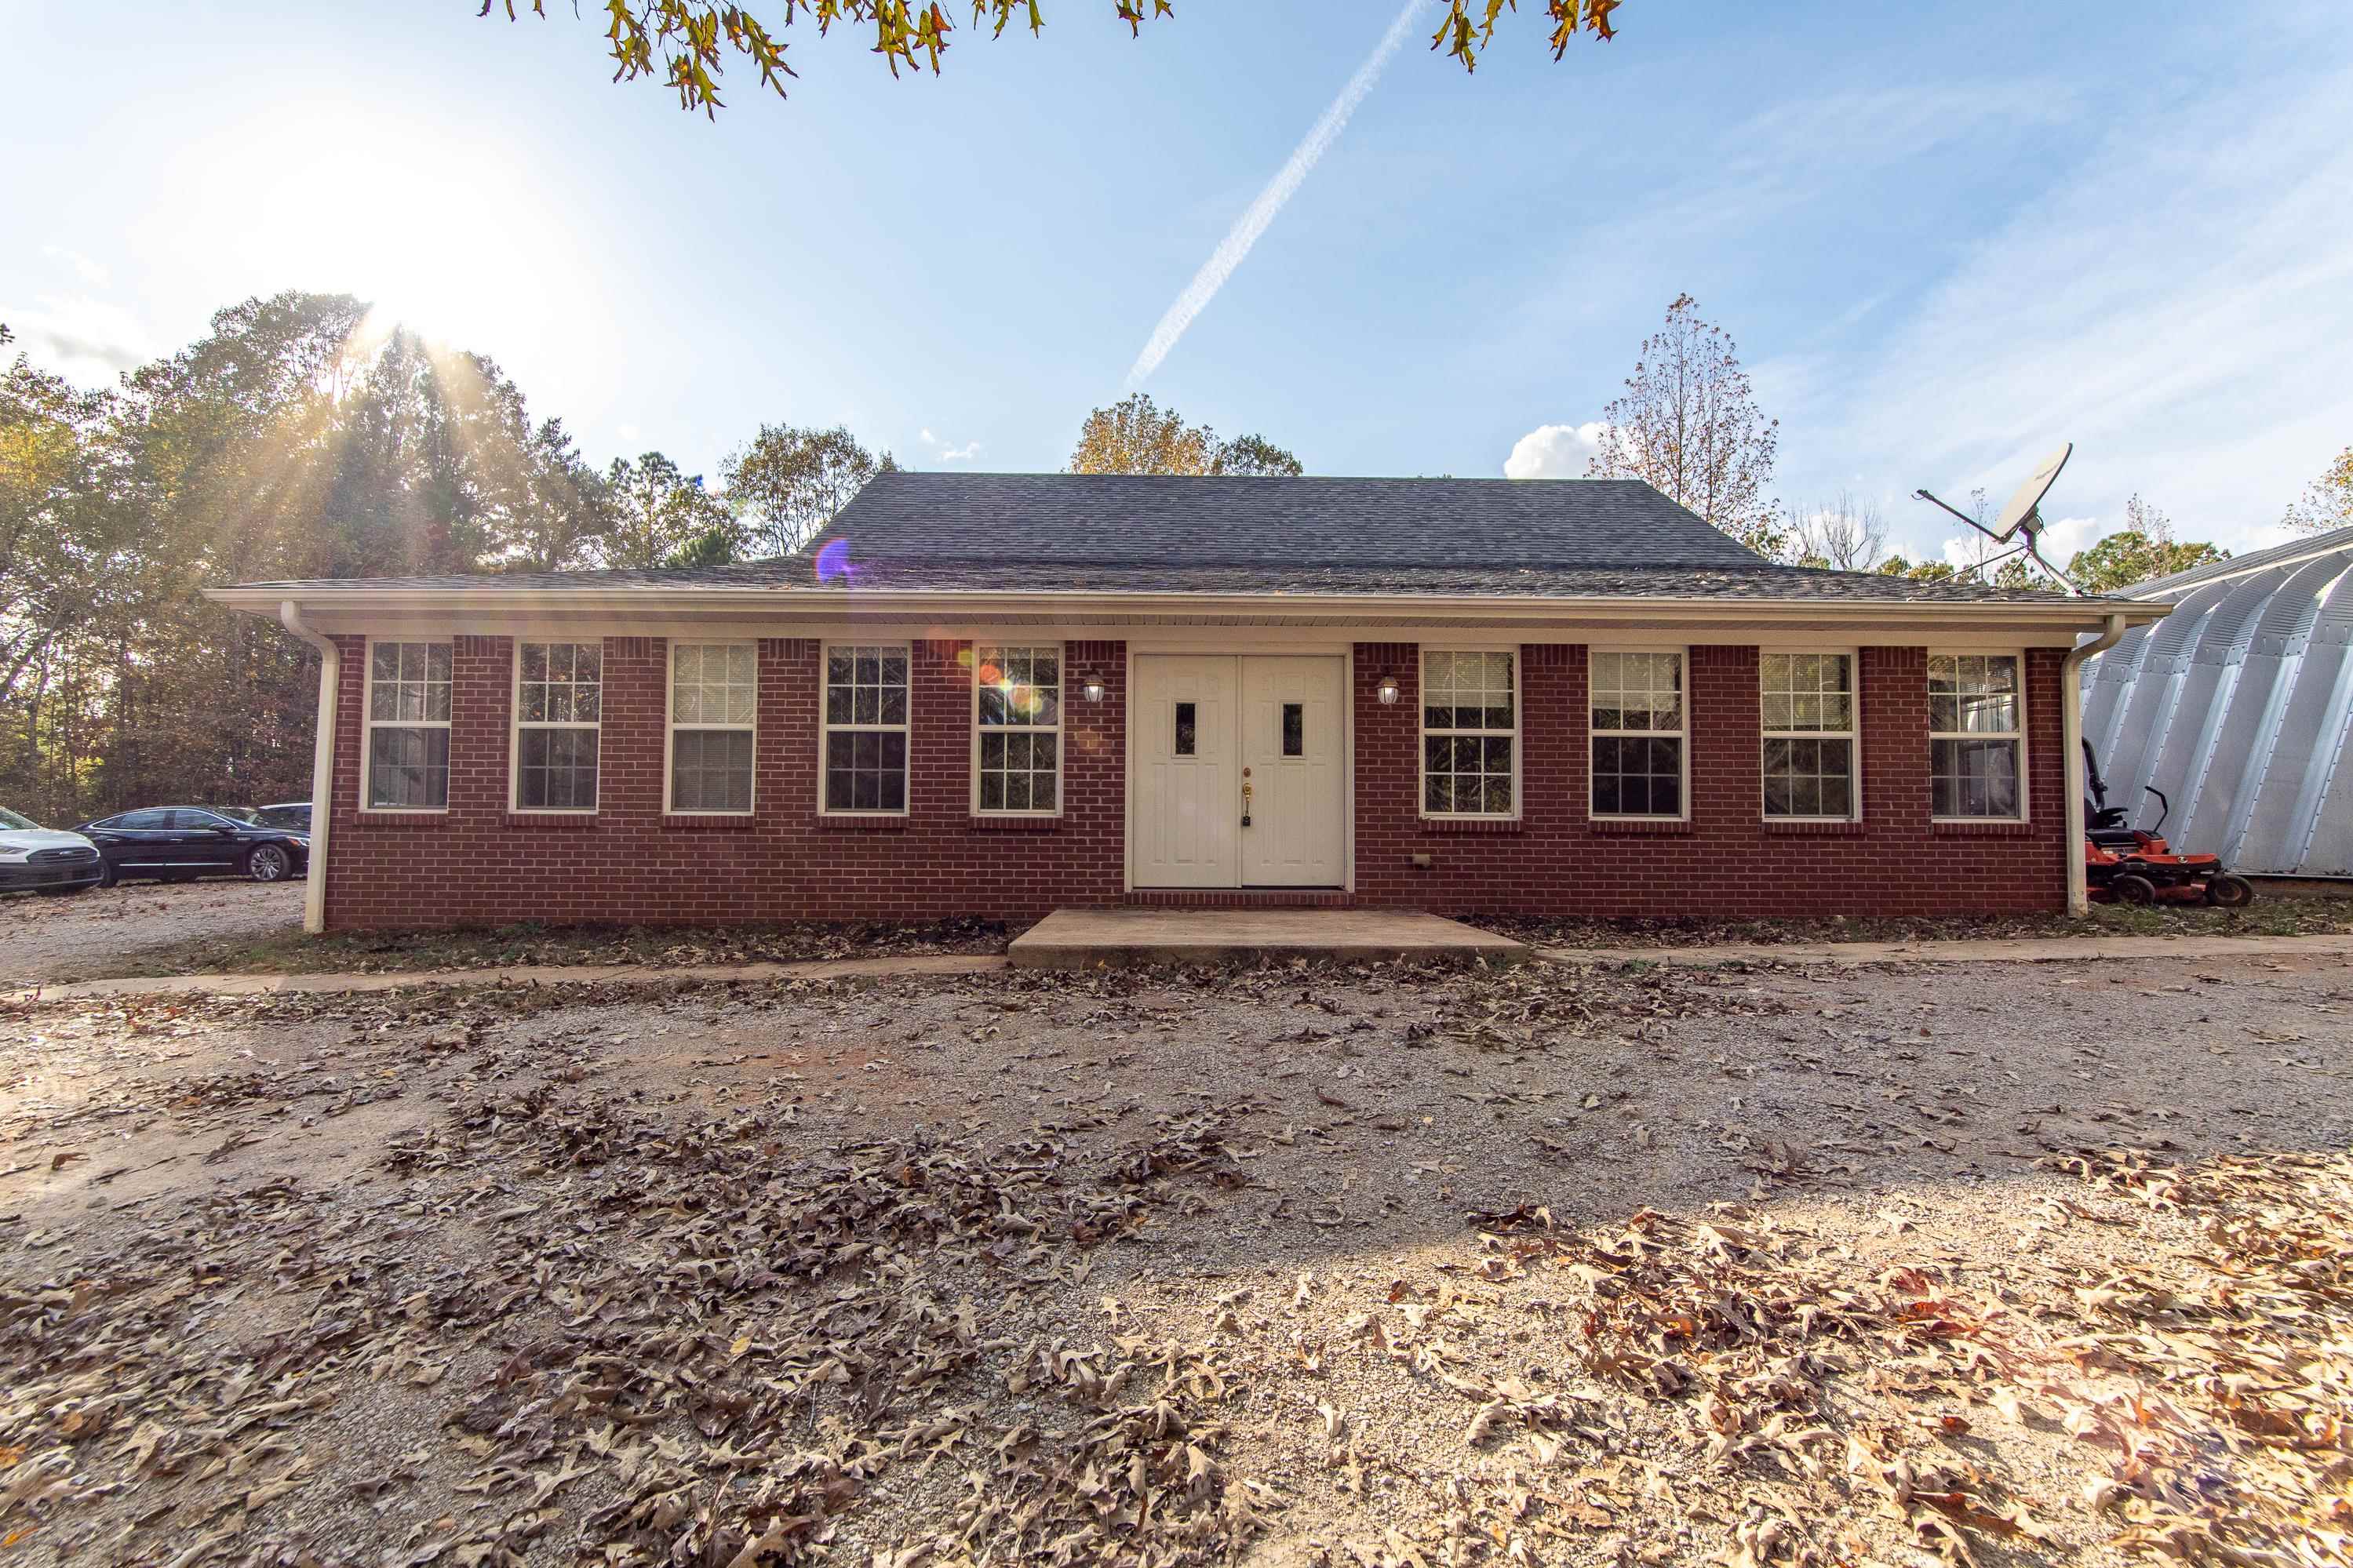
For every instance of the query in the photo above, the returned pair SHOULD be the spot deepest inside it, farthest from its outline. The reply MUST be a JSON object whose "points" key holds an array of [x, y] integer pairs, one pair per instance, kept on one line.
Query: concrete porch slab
{"points": [[1081, 939]]}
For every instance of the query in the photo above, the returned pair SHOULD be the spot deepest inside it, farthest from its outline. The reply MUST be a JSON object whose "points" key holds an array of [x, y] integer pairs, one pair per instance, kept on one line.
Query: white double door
{"points": [[1240, 770]]}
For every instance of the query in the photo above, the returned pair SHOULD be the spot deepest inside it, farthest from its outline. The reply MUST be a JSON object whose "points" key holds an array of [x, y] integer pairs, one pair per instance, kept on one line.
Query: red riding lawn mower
{"points": [[2125, 865]]}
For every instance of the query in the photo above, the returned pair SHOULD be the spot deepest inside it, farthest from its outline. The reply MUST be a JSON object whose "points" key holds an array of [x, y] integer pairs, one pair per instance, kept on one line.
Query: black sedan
{"points": [[178, 842]]}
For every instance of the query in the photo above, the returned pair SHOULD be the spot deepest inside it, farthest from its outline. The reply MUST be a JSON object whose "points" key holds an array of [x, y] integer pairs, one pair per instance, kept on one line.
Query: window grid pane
{"points": [[865, 745], [714, 701], [1470, 727], [1810, 744], [409, 726], [1974, 735], [1018, 711], [1635, 711], [559, 703]]}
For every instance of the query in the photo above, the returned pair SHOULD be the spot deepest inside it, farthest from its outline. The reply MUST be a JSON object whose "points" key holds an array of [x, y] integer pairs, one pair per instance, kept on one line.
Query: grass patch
{"points": [[530, 943], [2296, 913]]}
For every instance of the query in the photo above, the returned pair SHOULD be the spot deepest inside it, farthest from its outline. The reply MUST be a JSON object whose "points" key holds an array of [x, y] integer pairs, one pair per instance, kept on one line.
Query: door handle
{"points": [[1246, 797]]}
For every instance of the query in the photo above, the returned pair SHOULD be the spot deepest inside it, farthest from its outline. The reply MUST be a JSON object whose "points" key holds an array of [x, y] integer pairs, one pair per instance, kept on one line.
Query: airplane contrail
{"points": [[1253, 223]]}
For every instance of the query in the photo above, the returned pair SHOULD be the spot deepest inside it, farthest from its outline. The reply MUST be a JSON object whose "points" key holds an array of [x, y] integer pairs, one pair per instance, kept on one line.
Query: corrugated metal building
{"points": [[2238, 706]]}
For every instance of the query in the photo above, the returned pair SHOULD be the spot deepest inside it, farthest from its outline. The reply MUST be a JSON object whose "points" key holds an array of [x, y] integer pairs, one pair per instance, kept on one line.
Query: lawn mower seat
{"points": [[2105, 825]]}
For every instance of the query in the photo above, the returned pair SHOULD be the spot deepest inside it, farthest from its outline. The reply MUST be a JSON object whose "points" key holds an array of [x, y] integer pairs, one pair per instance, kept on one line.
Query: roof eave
{"points": [[686, 603]]}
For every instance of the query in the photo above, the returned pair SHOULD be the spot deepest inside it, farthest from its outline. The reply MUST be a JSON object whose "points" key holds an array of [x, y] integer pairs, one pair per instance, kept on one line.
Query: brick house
{"points": [[997, 694]]}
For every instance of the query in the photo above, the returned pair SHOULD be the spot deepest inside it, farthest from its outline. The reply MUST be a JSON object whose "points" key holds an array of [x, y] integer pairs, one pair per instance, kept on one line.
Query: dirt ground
{"points": [[1289, 1264], [68, 937]]}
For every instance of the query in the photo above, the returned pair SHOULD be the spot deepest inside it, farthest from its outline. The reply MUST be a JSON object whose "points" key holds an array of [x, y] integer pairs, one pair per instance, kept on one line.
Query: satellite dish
{"points": [[2020, 517], [2021, 513]]}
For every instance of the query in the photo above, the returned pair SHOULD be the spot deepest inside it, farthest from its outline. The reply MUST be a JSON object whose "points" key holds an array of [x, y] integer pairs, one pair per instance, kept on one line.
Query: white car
{"points": [[44, 859]]}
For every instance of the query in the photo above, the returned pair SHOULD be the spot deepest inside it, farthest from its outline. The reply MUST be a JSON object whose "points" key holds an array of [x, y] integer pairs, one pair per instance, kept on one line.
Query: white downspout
{"points": [[2071, 729], [322, 766]]}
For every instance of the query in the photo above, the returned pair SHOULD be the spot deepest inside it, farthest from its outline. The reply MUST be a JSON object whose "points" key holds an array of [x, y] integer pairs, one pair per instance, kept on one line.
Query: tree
{"points": [[1136, 436], [1844, 535], [661, 516], [1688, 423], [686, 44], [2327, 502], [790, 482], [1924, 571], [2141, 552], [568, 508]]}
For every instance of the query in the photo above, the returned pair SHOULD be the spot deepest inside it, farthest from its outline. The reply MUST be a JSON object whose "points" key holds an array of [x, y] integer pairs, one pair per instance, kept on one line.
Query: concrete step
{"points": [[1081, 939]]}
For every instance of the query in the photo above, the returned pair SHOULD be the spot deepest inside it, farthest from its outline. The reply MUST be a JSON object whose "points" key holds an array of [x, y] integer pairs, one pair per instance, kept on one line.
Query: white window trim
{"points": [[1854, 657], [670, 729], [1683, 753], [1061, 710], [824, 729], [2025, 779], [369, 725], [1422, 731], [516, 726]]}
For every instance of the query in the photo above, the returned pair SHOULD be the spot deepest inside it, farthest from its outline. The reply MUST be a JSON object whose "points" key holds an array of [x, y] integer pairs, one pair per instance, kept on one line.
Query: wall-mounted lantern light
{"points": [[1092, 688], [1386, 691]]}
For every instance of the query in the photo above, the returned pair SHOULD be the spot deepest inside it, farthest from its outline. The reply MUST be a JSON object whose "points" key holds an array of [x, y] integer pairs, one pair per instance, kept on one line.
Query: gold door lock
{"points": [[1246, 797]]}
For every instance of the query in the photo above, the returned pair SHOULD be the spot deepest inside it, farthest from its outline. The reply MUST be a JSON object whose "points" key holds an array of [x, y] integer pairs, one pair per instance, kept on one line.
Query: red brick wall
{"points": [[481, 863], [1726, 860]]}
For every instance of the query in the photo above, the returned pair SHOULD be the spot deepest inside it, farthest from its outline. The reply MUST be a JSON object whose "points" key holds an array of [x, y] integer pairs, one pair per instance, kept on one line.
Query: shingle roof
{"points": [[1030, 533]]}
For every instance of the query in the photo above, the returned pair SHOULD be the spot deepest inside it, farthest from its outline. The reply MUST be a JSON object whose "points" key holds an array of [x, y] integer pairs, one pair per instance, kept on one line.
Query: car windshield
{"points": [[234, 813], [13, 823]]}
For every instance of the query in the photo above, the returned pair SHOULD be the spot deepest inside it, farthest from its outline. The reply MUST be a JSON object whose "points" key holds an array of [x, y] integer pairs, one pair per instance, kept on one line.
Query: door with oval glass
{"points": [[1240, 771]]}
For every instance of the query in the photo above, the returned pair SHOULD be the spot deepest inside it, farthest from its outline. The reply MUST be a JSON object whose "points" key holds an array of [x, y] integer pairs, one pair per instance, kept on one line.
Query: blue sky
{"points": [[1946, 237]]}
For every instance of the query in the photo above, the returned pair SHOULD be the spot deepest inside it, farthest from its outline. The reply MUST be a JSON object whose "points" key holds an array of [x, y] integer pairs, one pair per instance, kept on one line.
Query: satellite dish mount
{"points": [[2022, 518]]}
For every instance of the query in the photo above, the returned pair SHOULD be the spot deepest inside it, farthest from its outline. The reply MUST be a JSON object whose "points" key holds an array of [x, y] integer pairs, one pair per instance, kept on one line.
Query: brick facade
{"points": [[479, 863]]}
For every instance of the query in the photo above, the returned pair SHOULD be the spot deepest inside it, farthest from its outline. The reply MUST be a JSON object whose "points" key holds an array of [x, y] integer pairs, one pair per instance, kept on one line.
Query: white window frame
{"points": [[1852, 736], [2025, 780], [517, 725], [983, 645], [1682, 734], [1423, 732], [671, 728], [825, 728], [370, 723]]}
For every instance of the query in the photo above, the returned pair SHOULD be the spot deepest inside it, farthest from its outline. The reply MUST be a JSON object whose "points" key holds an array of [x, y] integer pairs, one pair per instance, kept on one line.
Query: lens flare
{"points": [[833, 561]]}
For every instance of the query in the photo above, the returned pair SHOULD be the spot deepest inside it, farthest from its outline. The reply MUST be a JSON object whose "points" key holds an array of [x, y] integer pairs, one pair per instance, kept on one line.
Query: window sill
{"points": [[1964, 829], [551, 819], [1803, 827], [402, 818], [705, 821], [1641, 827], [1443, 825], [977, 822], [894, 823]]}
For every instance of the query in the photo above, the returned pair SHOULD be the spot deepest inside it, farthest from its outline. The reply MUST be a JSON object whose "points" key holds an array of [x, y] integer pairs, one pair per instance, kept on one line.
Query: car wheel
{"points": [[268, 863], [106, 878]]}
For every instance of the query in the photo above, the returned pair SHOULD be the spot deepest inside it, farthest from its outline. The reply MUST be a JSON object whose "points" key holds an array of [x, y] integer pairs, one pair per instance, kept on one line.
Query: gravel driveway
{"points": [[58, 937], [1771, 1267]]}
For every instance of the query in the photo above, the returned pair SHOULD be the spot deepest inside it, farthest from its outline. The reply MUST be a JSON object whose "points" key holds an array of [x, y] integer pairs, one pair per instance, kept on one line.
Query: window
{"points": [[1470, 733], [409, 726], [1975, 736], [559, 704], [1187, 729], [714, 697], [866, 728], [1017, 725], [1636, 714], [1809, 722]]}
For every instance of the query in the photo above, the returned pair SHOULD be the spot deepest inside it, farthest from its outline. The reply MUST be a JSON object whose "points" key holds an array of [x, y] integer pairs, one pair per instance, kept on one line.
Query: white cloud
{"points": [[91, 273], [85, 339], [1262, 212], [2164, 305], [964, 454], [1554, 452], [928, 439]]}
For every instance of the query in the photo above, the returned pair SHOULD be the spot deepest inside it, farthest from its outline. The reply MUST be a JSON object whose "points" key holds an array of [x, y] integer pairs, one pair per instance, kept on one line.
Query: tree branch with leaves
{"points": [[688, 44]]}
